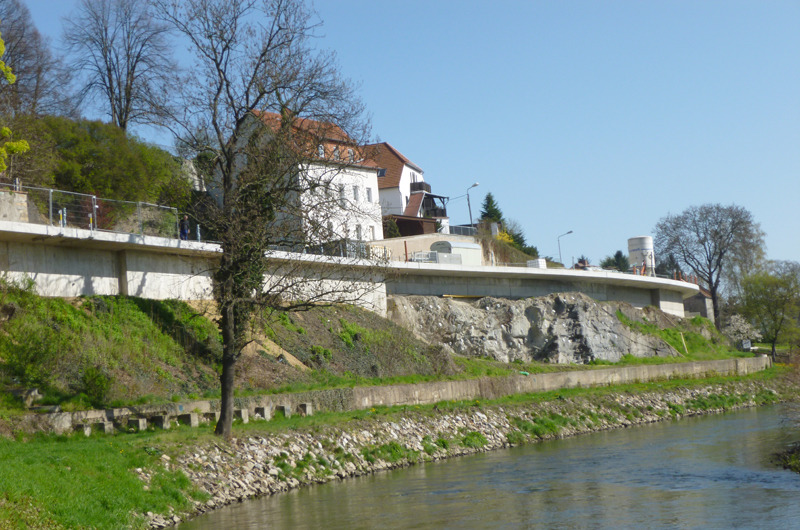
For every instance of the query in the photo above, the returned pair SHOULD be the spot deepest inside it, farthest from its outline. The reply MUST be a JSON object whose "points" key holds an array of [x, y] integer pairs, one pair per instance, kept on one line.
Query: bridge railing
{"points": [[79, 210]]}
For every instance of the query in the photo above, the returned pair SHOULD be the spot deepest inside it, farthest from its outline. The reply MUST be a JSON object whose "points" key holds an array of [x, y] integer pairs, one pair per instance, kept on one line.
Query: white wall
{"points": [[356, 211], [394, 200]]}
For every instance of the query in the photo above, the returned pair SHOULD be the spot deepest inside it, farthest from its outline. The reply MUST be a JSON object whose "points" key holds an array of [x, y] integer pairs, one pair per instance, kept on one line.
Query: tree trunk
{"points": [[229, 357]]}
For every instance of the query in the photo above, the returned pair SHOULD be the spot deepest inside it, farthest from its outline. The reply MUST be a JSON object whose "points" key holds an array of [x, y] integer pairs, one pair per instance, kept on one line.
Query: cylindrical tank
{"points": [[641, 252]]}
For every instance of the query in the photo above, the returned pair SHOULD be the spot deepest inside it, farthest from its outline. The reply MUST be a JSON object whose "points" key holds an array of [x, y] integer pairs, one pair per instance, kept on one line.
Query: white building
{"points": [[341, 203], [404, 194]]}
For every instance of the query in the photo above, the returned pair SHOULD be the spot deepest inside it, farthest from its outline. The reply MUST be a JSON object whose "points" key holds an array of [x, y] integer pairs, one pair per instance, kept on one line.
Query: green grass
{"points": [[86, 353], [76, 482], [689, 343], [87, 482]]}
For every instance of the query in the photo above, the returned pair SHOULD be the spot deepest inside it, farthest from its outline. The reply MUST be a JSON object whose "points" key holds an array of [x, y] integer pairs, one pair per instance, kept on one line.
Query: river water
{"points": [[706, 472]]}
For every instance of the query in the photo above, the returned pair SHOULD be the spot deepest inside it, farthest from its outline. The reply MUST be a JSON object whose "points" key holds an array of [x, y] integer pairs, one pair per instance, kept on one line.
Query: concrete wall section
{"points": [[518, 282], [60, 271], [164, 276], [343, 399], [493, 388]]}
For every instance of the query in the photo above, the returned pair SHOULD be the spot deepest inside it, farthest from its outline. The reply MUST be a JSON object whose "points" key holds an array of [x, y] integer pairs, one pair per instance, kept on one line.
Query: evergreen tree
{"points": [[490, 211], [618, 261]]}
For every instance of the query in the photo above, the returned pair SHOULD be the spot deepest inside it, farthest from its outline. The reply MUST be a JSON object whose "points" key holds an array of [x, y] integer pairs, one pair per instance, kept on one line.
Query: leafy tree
{"points": [[703, 239], [390, 228], [618, 261], [771, 299], [490, 211], [100, 159], [253, 57], [125, 56], [9, 146]]}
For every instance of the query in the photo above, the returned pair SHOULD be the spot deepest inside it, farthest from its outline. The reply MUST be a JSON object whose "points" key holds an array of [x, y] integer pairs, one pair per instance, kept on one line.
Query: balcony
{"points": [[420, 186]]}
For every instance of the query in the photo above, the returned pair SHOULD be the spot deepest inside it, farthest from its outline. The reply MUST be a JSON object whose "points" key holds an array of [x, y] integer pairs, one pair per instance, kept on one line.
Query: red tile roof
{"points": [[390, 159], [317, 133]]}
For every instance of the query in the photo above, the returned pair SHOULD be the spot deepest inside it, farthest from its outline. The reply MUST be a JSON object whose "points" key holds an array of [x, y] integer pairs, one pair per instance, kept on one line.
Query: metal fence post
{"points": [[139, 212], [94, 211], [50, 200]]}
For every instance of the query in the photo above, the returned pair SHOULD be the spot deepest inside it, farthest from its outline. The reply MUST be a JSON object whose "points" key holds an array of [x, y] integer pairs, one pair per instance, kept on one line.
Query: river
{"points": [[705, 472]]}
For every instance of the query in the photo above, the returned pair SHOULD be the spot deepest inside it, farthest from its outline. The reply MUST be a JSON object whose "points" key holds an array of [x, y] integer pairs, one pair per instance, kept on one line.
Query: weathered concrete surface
{"points": [[434, 279], [560, 328]]}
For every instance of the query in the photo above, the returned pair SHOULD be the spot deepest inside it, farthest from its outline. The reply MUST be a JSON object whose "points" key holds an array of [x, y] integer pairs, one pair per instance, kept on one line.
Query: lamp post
{"points": [[469, 207], [559, 245]]}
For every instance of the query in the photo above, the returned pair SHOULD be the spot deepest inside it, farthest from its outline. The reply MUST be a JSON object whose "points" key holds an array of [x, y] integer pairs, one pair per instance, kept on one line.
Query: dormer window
{"points": [[381, 173], [321, 151], [336, 155], [351, 155]]}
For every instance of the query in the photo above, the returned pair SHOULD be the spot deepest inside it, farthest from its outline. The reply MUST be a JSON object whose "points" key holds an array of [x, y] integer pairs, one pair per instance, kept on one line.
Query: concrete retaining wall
{"points": [[343, 399]]}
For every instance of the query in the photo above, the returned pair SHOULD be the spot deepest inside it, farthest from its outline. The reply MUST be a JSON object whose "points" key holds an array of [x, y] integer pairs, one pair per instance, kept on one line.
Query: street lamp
{"points": [[559, 245], [468, 205]]}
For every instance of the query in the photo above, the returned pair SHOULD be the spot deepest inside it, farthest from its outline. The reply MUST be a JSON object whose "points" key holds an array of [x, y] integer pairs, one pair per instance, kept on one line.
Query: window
{"points": [[342, 196], [355, 193], [413, 177], [406, 201], [336, 155], [369, 195], [321, 151], [330, 230], [381, 173], [351, 155], [358, 232], [372, 233]]}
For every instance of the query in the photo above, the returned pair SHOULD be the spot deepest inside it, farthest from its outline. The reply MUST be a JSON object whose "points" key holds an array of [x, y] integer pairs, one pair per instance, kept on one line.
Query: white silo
{"points": [[641, 252]]}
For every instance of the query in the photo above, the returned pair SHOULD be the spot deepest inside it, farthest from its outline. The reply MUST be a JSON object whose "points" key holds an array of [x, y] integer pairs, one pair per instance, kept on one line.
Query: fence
{"points": [[463, 230], [78, 210]]}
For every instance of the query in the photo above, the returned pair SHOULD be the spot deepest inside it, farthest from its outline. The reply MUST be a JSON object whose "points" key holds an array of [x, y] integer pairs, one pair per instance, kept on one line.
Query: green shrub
{"points": [[96, 384], [515, 438], [474, 439]]}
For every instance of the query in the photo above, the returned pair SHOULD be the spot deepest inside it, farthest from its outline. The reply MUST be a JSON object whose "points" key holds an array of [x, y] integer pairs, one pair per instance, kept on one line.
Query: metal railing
{"points": [[463, 230], [52, 207]]}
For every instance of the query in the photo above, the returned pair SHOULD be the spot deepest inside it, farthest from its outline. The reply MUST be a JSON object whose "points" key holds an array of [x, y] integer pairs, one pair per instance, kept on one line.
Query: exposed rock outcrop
{"points": [[559, 328]]}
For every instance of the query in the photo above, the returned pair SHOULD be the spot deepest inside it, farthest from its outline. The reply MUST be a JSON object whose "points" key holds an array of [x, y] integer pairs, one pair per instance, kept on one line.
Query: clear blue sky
{"points": [[596, 117]]}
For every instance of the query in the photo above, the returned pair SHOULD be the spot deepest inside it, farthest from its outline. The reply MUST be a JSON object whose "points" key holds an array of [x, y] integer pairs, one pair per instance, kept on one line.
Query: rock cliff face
{"points": [[559, 328]]}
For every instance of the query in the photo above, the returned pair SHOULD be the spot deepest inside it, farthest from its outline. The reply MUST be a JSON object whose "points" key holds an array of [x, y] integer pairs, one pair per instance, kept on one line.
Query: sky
{"points": [[596, 117]]}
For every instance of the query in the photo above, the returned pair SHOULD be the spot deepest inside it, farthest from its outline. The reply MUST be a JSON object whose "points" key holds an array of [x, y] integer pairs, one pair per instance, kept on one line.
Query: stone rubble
{"points": [[244, 468]]}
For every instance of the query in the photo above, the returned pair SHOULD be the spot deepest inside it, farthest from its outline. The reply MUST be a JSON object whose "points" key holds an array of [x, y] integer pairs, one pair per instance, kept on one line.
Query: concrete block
{"points": [[85, 428], [305, 409], [161, 421], [106, 427], [264, 412], [190, 419], [241, 414], [211, 417], [137, 424]]}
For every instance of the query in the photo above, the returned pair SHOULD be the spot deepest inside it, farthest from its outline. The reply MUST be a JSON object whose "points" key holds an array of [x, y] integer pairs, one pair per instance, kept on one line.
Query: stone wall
{"points": [[360, 398]]}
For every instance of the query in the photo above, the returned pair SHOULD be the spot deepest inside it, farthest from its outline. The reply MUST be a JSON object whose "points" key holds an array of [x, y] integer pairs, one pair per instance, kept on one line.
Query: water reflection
{"points": [[711, 472]]}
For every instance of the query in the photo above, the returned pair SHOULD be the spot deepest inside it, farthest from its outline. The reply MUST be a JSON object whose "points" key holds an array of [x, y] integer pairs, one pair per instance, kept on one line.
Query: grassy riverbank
{"points": [[113, 481]]}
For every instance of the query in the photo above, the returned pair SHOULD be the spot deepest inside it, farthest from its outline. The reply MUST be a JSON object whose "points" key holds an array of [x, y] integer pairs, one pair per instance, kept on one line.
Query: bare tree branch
{"points": [[125, 56]]}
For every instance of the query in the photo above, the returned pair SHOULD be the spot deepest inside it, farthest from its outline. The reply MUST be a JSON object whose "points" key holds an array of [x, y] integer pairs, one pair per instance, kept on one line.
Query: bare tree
{"points": [[706, 239], [278, 132], [125, 56], [42, 76]]}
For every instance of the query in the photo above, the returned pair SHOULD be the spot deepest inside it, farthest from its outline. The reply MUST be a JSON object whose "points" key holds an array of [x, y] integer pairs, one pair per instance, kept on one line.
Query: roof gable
{"points": [[389, 158]]}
